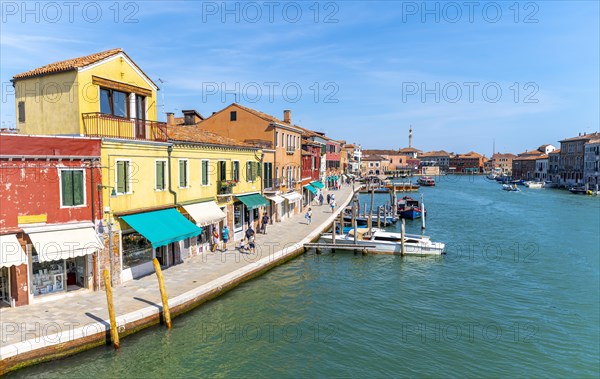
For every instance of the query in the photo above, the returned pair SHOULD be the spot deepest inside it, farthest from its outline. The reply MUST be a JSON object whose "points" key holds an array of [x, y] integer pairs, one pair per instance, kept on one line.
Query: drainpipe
{"points": [[169, 151]]}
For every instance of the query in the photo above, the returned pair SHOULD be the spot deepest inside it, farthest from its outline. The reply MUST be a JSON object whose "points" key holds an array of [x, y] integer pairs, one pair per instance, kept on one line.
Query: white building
{"points": [[541, 168], [591, 165]]}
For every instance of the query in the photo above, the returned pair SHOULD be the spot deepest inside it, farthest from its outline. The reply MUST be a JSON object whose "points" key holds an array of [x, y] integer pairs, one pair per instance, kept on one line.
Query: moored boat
{"points": [[390, 242], [409, 208]]}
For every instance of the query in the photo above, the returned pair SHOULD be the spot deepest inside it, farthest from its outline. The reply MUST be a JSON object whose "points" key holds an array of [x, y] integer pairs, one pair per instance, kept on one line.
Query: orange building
{"points": [[281, 143]]}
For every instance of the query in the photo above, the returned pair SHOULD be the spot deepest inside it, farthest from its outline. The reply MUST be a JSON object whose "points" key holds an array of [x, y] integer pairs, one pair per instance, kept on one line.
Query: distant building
{"points": [[591, 169], [572, 158], [471, 162], [554, 169], [374, 165], [438, 158], [541, 168], [502, 163], [524, 165]]}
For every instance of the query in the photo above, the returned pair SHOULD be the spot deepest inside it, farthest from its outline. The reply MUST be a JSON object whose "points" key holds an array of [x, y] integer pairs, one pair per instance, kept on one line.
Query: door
{"points": [[238, 221], [140, 117], [4, 285]]}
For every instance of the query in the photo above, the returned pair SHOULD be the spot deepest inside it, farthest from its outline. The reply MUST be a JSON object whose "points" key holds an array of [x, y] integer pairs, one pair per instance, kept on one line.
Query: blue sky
{"points": [[524, 74]]}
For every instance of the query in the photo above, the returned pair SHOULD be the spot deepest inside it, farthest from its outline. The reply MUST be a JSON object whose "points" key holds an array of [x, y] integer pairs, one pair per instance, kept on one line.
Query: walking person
{"points": [[332, 205], [309, 215], [320, 198], [250, 238], [225, 236], [215, 239], [328, 198], [265, 221]]}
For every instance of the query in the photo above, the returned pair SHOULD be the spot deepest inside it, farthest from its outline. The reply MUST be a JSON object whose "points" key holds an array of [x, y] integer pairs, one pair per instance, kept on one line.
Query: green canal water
{"points": [[516, 295]]}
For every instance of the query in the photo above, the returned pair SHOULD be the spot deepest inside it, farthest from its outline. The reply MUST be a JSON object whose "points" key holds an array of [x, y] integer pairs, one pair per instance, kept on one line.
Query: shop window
{"points": [[47, 277], [136, 249], [72, 188]]}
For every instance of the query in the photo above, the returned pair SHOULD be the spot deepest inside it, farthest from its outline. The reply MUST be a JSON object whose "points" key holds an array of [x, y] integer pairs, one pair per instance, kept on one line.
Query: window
{"points": [[235, 171], [268, 175], [183, 173], [160, 175], [21, 107], [113, 102], [222, 171], [249, 170], [233, 116], [123, 177], [72, 188], [276, 139], [282, 139], [205, 174]]}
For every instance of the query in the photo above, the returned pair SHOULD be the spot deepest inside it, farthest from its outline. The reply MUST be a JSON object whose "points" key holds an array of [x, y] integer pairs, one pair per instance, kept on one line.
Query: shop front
{"points": [[293, 203], [209, 216], [164, 234], [248, 212], [11, 254], [61, 258], [275, 209], [309, 194]]}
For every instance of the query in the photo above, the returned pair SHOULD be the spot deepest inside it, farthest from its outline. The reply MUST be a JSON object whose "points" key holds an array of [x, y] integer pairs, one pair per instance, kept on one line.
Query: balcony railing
{"points": [[225, 187], [103, 125]]}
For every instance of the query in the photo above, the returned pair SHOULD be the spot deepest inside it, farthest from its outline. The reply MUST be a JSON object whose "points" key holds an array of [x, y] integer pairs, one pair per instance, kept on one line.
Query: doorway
{"points": [[76, 273], [4, 286]]}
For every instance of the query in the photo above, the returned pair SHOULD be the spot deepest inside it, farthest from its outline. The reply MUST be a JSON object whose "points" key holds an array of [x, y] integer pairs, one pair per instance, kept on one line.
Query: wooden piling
{"points": [[354, 223], [163, 293], [333, 233], [402, 234], [422, 213], [379, 217], [114, 332]]}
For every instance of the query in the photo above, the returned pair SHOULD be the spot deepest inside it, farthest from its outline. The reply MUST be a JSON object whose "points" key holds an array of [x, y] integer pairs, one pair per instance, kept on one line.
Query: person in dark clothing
{"points": [[250, 237], [265, 221], [328, 198]]}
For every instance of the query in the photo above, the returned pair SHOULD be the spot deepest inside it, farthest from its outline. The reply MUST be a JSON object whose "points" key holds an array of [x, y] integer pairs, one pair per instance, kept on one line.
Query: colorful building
{"points": [[572, 157], [467, 163], [280, 142], [49, 207]]}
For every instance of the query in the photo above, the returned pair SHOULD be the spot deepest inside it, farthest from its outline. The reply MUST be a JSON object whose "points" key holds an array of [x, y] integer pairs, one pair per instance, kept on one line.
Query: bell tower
{"points": [[410, 137]]}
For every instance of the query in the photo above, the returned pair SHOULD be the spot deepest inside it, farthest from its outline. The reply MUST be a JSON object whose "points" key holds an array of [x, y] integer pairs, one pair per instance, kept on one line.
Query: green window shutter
{"points": [[182, 175], [77, 187], [160, 175], [66, 178], [204, 173], [258, 170], [248, 171], [121, 188]]}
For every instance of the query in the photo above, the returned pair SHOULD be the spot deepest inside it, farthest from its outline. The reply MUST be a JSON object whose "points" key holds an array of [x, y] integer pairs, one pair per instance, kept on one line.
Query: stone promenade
{"points": [[30, 330]]}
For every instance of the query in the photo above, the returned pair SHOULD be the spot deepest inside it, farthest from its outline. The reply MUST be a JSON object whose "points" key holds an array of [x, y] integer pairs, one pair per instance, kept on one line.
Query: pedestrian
{"points": [[225, 236], [328, 198], [332, 205], [332, 196], [265, 221], [309, 215], [215, 239], [250, 238], [321, 198]]}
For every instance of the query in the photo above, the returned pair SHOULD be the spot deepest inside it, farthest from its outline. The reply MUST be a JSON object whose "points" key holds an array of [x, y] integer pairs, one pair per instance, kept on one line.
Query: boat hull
{"points": [[423, 248]]}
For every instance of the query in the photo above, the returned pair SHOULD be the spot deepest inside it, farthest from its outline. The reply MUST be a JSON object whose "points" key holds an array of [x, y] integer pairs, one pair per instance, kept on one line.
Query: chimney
{"points": [[287, 116], [170, 118]]}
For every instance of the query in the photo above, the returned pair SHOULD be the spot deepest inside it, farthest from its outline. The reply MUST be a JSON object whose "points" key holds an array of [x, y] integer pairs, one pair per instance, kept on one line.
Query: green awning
{"points": [[311, 189], [162, 227], [317, 184], [253, 201]]}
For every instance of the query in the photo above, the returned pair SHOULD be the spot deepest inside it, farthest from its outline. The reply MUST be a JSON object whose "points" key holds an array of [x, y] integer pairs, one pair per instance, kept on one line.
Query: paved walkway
{"points": [[39, 325]]}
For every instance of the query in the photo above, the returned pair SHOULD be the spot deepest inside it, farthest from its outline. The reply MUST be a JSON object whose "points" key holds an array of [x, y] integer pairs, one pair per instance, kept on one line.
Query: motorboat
{"points": [[510, 188], [426, 181], [389, 242], [409, 208], [531, 184]]}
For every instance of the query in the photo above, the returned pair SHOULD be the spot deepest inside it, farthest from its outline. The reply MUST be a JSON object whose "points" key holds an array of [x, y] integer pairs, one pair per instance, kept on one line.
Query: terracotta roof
{"points": [[373, 158], [557, 151], [505, 155], [582, 137], [195, 134], [69, 64], [409, 150], [380, 152], [438, 153]]}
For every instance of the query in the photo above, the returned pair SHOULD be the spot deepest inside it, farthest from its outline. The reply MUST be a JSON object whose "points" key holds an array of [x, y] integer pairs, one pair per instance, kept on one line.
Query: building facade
{"points": [[469, 163], [572, 155], [591, 169]]}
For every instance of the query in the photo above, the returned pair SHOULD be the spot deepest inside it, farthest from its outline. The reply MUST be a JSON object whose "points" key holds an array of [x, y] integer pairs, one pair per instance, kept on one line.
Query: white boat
{"points": [[510, 188], [389, 242], [531, 184]]}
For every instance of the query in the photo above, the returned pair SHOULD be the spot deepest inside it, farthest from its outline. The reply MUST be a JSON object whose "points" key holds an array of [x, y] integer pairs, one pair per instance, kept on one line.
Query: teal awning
{"points": [[311, 189], [317, 184], [253, 201], [162, 227]]}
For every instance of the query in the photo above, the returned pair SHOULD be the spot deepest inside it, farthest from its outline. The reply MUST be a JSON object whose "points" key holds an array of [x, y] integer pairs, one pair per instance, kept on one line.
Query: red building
{"points": [[49, 208], [467, 163]]}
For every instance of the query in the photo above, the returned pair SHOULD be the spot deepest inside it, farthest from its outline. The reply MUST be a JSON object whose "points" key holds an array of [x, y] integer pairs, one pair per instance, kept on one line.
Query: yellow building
{"points": [[162, 193]]}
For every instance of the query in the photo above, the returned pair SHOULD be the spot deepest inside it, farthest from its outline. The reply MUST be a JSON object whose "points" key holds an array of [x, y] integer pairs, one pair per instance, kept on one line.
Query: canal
{"points": [[517, 294]]}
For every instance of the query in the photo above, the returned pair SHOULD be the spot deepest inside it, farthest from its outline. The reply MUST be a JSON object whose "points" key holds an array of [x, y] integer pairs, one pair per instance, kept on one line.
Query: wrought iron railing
{"points": [[103, 125]]}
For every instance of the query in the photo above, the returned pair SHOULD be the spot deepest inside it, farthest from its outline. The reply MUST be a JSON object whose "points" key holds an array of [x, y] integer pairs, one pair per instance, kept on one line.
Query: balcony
{"points": [[103, 125], [226, 187]]}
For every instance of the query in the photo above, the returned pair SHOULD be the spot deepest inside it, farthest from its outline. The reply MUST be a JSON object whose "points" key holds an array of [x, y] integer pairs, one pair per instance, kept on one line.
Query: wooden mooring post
{"points": [[114, 331], [379, 217], [163, 293], [402, 234], [422, 213]]}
